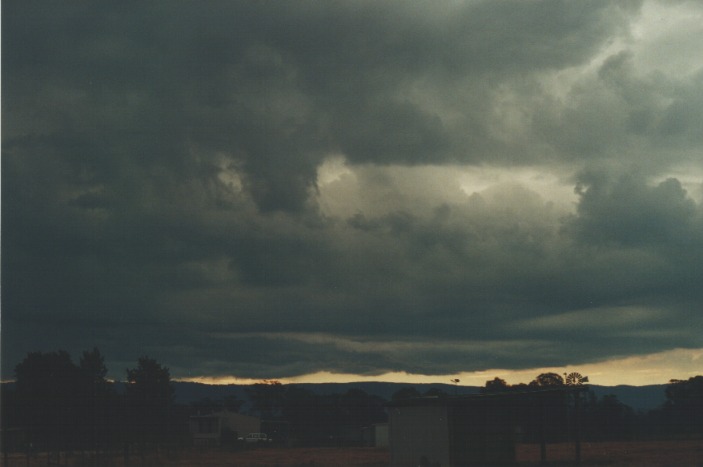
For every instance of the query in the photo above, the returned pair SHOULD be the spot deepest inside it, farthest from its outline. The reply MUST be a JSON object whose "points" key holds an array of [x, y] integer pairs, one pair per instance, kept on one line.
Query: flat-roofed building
{"points": [[476, 429]]}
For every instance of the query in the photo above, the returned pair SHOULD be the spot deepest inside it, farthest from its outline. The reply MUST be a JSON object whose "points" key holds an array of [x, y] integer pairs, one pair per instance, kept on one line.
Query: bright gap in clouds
{"points": [[657, 368], [345, 189], [662, 38]]}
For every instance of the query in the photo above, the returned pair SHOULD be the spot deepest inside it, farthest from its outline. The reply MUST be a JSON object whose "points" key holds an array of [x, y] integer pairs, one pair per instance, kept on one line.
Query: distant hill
{"points": [[386, 390], [640, 398], [185, 393]]}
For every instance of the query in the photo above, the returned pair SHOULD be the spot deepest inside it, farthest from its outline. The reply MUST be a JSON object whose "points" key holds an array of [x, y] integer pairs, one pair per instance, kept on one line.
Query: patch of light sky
{"points": [[657, 368], [666, 38], [432, 185], [662, 39], [228, 173]]}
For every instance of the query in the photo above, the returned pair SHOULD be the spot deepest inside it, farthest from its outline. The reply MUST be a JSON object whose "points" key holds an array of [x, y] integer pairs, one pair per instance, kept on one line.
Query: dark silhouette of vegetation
{"points": [[95, 429], [58, 405], [267, 398], [606, 418], [496, 385], [149, 403], [567, 409], [47, 399], [207, 405], [546, 380], [682, 412], [305, 418]]}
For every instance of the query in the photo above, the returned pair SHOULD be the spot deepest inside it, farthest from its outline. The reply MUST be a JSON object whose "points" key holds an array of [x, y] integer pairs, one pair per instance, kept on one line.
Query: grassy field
{"points": [[635, 453], [651, 453]]}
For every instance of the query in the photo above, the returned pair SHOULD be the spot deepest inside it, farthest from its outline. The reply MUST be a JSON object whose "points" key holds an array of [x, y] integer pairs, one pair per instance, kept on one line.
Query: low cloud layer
{"points": [[267, 190]]}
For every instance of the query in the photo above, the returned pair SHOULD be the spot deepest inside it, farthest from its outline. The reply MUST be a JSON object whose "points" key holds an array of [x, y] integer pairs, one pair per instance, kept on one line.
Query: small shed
{"points": [[214, 429], [470, 430]]}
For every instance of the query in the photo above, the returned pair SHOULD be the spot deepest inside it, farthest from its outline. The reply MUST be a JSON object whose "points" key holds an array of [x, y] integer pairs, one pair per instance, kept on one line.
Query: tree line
{"points": [[59, 405], [303, 417], [607, 418]]}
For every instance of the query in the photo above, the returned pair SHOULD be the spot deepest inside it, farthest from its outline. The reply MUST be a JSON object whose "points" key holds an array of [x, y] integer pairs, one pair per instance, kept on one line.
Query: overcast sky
{"points": [[273, 189]]}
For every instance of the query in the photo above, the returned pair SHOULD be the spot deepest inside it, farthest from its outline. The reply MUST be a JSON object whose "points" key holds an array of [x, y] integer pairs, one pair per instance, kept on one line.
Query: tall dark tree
{"points": [[63, 405], [150, 383], [92, 367], [93, 389], [47, 393], [149, 396], [683, 410]]}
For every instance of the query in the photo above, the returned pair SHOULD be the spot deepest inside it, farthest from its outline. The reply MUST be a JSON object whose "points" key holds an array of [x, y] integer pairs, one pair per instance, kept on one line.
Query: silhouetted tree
{"points": [[683, 410], [46, 385], [95, 400], [92, 368], [149, 396], [495, 385], [548, 380]]}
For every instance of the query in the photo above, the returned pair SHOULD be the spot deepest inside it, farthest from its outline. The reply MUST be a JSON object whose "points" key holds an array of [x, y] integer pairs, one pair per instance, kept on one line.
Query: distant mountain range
{"points": [[640, 398]]}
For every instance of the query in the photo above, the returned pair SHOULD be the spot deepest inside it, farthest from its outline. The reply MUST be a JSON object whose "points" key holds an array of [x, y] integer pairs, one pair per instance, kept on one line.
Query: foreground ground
{"points": [[636, 453], [652, 453]]}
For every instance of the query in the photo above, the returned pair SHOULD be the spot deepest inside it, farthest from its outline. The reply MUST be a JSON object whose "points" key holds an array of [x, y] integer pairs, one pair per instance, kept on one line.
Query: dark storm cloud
{"points": [[628, 211], [165, 193], [277, 86]]}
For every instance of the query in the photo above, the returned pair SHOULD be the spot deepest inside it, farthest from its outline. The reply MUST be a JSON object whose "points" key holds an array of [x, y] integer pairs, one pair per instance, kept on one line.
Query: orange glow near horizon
{"points": [[656, 368]]}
